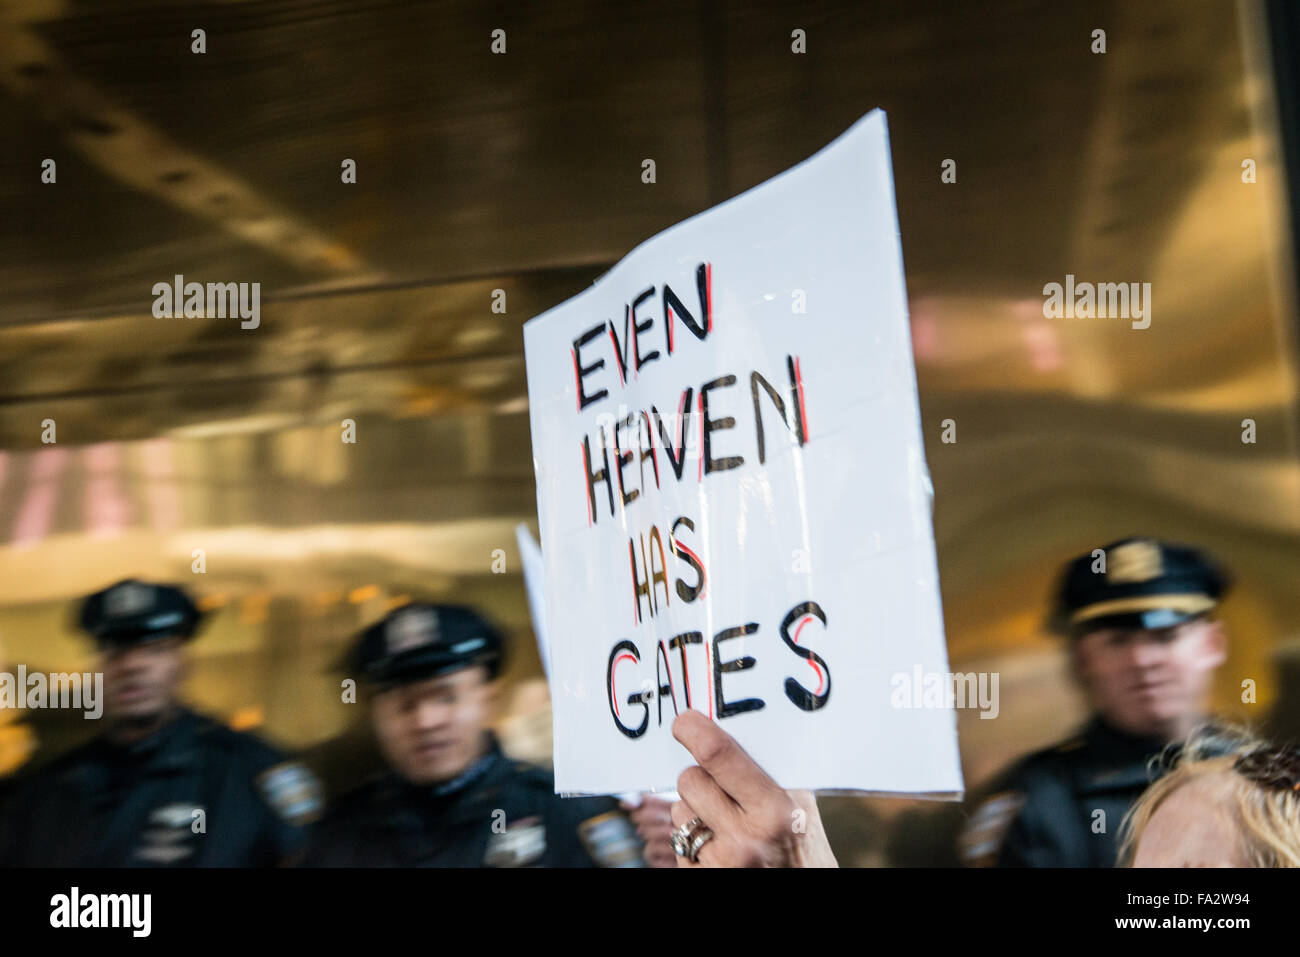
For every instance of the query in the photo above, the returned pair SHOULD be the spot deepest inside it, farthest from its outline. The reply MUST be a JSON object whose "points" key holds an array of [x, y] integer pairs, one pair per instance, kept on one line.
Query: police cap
{"points": [[422, 640], [1137, 583], [133, 612]]}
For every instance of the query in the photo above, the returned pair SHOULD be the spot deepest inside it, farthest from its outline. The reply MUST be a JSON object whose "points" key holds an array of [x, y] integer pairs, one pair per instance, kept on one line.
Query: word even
{"points": [[633, 328]]}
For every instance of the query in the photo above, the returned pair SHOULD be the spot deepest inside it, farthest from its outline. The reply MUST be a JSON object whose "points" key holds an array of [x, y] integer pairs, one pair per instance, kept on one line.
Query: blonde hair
{"points": [[1267, 811]]}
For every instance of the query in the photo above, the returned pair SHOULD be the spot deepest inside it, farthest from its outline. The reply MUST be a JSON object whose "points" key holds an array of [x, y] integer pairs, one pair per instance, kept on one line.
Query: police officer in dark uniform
{"points": [[160, 785], [450, 797], [1144, 648]]}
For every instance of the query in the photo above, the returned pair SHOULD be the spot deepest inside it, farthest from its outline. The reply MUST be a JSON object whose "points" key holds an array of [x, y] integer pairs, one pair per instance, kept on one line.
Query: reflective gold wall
{"points": [[522, 174]]}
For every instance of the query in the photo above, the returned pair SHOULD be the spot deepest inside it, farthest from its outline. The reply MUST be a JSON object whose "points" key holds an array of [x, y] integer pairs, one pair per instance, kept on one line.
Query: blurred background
{"points": [[522, 172]]}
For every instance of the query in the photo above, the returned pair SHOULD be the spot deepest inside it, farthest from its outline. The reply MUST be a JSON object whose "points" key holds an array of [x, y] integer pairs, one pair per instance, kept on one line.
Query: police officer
{"points": [[160, 785], [450, 797], [1144, 648]]}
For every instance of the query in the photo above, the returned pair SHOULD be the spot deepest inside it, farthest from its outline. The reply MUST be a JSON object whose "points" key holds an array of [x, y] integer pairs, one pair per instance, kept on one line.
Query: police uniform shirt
{"points": [[498, 813], [195, 794], [1062, 807]]}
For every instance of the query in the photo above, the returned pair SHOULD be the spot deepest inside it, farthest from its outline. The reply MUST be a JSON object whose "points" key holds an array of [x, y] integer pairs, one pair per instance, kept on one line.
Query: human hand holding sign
{"points": [[741, 817]]}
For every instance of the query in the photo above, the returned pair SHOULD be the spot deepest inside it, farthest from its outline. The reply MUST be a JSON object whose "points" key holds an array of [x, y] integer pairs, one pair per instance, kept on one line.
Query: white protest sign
{"points": [[530, 557], [732, 495]]}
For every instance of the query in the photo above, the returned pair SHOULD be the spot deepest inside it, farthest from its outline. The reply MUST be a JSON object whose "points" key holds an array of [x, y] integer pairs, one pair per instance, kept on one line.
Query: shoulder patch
{"points": [[292, 791], [611, 840], [981, 838]]}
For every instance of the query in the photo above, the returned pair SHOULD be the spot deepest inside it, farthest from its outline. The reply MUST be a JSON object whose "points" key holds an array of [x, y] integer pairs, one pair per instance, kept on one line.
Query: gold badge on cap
{"points": [[411, 629], [127, 599], [1134, 562]]}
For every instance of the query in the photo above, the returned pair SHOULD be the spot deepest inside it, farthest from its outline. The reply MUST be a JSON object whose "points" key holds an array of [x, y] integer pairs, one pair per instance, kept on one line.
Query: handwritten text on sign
{"points": [[731, 493], [615, 467]]}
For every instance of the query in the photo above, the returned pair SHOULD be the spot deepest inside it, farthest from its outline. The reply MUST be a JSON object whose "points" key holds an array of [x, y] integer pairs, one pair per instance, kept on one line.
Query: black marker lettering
{"points": [[802, 697], [595, 478], [581, 372], [710, 426], [687, 593], [640, 327], [724, 708], [629, 649], [680, 642]]}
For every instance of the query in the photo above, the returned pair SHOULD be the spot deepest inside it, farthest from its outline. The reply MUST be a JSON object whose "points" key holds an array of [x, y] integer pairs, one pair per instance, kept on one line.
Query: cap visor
{"points": [[420, 666], [1183, 604]]}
